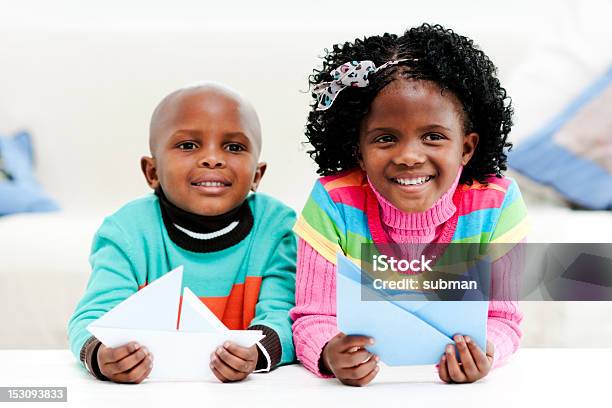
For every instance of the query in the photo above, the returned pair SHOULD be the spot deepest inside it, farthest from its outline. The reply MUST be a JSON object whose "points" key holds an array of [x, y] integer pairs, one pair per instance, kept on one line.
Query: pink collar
{"points": [[388, 223]]}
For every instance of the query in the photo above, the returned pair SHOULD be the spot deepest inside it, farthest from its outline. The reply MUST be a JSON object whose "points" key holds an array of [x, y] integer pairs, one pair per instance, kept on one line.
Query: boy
{"points": [[238, 249]]}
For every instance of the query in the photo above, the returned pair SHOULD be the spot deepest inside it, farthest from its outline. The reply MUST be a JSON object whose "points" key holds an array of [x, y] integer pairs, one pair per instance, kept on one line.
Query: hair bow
{"points": [[350, 74]]}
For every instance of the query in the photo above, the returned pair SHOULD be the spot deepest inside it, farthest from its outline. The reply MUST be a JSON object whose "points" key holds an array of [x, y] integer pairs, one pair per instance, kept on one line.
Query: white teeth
{"points": [[210, 184], [413, 182]]}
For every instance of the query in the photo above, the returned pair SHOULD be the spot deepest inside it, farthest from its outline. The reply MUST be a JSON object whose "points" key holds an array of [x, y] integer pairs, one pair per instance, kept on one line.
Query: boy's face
{"points": [[412, 143], [205, 144]]}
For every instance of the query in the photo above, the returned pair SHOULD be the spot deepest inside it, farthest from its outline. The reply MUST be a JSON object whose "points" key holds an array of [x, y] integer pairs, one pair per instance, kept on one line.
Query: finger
{"points": [[490, 351], [135, 373], [244, 353], [364, 380], [355, 373], [454, 371], [469, 366], [234, 362], [443, 370], [146, 373], [349, 342], [217, 374], [112, 355], [128, 362], [348, 360], [225, 370], [480, 359]]}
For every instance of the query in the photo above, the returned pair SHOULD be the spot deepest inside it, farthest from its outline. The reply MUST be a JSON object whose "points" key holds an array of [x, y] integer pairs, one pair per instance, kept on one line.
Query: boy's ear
{"points": [[470, 141], [259, 173], [147, 165]]}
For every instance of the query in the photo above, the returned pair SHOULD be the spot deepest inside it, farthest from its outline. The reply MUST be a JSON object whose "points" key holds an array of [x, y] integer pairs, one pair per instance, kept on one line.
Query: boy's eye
{"points": [[187, 146], [384, 139], [235, 147]]}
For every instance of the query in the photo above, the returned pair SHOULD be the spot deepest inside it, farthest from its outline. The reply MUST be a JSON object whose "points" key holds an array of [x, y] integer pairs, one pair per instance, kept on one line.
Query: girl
{"points": [[409, 134]]}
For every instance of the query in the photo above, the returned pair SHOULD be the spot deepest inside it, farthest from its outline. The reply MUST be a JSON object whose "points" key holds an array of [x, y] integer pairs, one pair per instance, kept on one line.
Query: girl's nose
{"points": [[409, 154]]}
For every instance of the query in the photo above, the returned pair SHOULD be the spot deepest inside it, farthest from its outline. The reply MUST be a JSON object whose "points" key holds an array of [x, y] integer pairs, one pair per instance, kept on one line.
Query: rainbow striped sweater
{"points": [[249, 284], [342, 213]]}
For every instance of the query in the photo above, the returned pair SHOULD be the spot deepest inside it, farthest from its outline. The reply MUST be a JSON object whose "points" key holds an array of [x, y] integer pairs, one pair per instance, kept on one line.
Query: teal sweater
{"points": [[248, 284]]}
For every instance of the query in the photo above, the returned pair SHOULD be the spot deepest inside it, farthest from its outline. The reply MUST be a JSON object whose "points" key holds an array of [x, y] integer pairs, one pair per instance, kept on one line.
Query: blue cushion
{"points": [[569, 167], [19, 190]]}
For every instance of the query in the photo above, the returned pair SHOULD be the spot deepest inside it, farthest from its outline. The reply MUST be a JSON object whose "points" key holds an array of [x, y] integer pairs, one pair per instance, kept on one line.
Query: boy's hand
{"points": [[231, 362], [130, 363], [475, 364], [346, 358]]}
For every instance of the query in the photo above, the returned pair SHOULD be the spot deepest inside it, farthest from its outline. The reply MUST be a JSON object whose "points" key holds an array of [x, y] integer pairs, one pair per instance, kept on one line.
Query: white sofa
{"points": [[86, 90]]}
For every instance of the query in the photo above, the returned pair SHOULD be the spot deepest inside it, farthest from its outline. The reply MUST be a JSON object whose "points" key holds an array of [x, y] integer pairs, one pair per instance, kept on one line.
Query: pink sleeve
{"points": [[314, 314], [504, 315]]}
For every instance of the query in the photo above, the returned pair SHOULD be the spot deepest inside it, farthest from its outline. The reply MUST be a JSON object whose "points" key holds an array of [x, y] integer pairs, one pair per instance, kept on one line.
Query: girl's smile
{"points": [[412, 143], [413, 183]]}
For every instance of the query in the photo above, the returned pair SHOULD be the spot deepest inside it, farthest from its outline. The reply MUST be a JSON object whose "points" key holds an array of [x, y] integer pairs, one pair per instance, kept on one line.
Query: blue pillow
{"points": [[573, 153], [19, 190]]}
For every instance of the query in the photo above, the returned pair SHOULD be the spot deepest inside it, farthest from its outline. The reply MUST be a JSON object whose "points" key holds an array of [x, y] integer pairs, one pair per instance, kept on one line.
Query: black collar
{"points": [[237, 223]]}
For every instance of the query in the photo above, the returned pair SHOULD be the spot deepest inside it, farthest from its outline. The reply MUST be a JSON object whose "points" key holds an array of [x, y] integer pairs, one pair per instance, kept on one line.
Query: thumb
{"points": [[490, 349]]}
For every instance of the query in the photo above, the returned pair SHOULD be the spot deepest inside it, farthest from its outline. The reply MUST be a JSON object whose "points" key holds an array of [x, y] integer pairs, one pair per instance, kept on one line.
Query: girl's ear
{"points": [[259, 173], [470, 141], [147, 165], [357, 155]]}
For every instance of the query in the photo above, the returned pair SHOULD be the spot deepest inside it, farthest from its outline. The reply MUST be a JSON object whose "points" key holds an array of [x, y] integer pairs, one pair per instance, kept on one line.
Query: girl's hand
{"points": [[232, 362], [346, 358], [474, 363], [130, 363]]}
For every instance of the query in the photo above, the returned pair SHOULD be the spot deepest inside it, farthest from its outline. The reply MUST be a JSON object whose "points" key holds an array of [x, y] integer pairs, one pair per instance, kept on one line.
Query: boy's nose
{"points": [[211, 161]]}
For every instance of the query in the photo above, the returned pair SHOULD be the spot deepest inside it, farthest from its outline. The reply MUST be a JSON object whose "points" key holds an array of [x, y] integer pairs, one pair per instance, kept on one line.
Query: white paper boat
{"points": [[180, 335]]}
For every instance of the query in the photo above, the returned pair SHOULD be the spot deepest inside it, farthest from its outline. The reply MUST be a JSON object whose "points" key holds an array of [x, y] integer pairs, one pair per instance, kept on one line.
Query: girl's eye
{"points": [[384, 139], [235, 147], [434, 137], [187, 146]]}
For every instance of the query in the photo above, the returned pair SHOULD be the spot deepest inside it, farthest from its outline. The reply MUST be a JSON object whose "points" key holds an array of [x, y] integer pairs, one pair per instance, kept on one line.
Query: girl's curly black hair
{"points": [[434, 53]]}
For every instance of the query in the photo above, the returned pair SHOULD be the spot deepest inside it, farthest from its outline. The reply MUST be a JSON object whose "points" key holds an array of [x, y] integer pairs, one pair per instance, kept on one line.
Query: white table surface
{"points": [[534, 377]]}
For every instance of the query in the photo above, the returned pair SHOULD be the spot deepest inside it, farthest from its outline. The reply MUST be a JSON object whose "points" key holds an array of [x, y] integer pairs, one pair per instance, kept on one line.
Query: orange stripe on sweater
{"points": [[238, 309], [353, 178], [493, 184], [178, 318]]}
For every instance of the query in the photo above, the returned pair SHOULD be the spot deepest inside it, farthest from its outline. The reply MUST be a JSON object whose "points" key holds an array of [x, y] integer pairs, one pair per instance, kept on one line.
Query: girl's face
{"points": [[412, 143]]}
